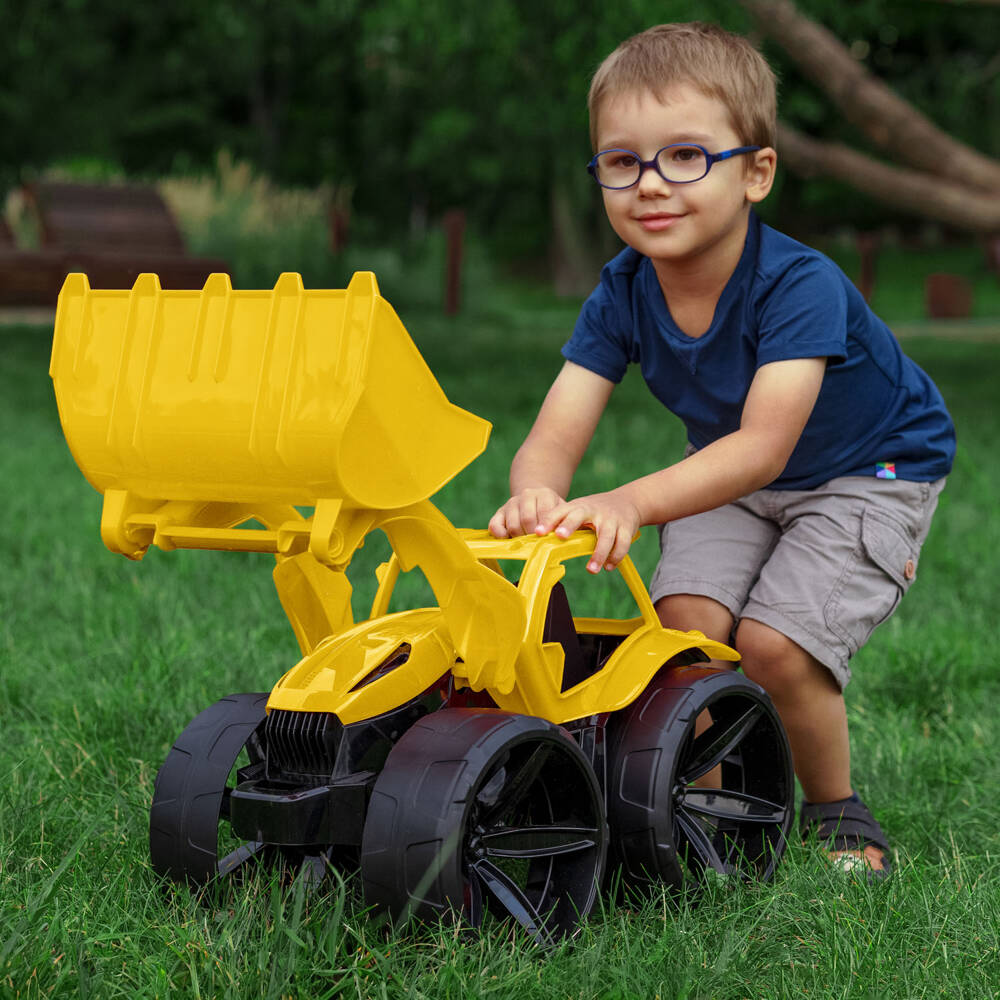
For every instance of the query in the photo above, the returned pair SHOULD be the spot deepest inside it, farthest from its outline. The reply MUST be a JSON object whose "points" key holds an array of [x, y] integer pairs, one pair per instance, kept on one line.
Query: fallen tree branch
{"points": [[888, 120], [909, 190]]}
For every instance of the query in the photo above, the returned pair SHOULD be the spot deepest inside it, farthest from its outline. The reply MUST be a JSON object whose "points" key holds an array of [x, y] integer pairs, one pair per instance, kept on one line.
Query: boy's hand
{"points": [[521, 514], [614, 519]]}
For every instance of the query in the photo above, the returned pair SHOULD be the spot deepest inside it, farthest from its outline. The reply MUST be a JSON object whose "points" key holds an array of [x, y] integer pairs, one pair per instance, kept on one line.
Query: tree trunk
{"points": [[881, 114], [575, 268], [909, 190]]}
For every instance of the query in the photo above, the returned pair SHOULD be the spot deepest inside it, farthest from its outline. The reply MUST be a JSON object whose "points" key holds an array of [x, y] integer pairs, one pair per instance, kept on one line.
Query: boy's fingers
{"points": [[522, 514], [613, 543], [544, 508], [506, 522], [566, 519], [547, 522], [513, 518], [528, 515], [606, 536], [498, 524], [623, 542]]}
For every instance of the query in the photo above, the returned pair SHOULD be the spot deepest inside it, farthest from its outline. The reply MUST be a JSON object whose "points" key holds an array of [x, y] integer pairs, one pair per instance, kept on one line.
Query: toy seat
{"points": [[559, 627]]}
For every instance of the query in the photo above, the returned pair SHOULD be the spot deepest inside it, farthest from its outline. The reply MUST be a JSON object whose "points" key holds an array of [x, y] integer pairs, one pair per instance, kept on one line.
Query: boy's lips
{"points": [[656, 221]]}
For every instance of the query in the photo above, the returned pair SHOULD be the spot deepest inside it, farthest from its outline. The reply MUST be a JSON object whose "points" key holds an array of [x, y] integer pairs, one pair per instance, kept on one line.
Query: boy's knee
{"points": [[771, 659], [692, 611]]}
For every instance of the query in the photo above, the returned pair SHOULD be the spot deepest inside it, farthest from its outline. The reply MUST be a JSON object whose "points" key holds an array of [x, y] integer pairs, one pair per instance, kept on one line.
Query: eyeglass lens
{"points": [[620, 168]]}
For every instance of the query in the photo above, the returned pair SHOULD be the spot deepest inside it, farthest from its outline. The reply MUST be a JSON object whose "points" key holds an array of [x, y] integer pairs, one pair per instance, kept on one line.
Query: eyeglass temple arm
{"points": [[727, 153]]}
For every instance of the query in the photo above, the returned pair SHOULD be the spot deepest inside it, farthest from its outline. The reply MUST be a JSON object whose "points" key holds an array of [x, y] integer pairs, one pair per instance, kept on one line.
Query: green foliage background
{"points": [[413, 106]]}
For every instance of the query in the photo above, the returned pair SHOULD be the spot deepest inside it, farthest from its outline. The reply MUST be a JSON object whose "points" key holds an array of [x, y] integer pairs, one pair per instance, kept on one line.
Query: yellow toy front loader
{"points": [[486, 754]]}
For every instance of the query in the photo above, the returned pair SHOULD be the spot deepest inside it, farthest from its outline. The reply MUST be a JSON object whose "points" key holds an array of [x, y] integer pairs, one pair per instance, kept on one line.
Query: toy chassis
{"points": [[489, 754]]}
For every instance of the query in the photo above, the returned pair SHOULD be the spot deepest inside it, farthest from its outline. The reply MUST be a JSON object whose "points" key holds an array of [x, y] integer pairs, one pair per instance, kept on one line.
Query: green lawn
{"points": [[900, 273], [103, 662]]}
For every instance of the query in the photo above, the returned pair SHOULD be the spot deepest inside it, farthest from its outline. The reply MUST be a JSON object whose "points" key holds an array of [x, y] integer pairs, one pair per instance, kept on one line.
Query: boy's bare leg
{"points": [[807, 698], [812, 711], [688, 611], [810, 705]]}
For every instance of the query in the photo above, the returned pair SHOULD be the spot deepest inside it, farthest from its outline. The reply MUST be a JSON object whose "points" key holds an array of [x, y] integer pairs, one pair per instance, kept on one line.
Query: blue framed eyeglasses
{"points": [[678, 163]]}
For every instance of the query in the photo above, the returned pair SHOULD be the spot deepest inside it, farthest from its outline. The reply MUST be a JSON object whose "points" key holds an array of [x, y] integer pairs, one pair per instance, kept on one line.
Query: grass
{"points": [[900, 272], [103, 662]]}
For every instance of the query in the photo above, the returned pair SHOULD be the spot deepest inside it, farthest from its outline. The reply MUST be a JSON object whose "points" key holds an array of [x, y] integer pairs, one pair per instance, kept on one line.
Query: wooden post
{"points": [[339, 217], [454, 229], [947, 296], [868, 247], [991, 245]]}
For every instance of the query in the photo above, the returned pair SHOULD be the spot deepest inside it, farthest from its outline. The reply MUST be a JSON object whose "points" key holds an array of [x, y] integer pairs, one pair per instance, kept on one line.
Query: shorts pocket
{"points": [[881, 571], [890, 546]]}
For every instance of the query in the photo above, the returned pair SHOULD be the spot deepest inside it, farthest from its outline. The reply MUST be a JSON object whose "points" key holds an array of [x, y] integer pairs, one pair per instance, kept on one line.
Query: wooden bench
{"points": [[27, 277], [112, 233]]}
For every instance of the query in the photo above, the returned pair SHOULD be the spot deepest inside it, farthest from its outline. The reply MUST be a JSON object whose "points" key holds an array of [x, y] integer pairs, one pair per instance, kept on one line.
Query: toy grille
{"points": [[301, 743]]}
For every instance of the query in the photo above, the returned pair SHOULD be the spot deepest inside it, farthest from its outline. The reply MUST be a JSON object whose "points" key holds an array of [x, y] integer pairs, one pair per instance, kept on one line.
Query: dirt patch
{"points": [[949, 329]]}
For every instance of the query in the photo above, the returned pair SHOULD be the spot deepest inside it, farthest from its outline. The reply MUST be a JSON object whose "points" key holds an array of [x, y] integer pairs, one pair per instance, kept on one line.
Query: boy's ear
{"points": [[760, 174]]}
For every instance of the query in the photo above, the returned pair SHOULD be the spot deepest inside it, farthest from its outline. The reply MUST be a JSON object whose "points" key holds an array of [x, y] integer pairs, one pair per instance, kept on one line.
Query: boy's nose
{"points": [[650, 182]]}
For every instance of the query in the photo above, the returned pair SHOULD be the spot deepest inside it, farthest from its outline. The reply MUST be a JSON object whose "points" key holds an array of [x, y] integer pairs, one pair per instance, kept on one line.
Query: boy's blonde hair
{"points": [[714, 61]]}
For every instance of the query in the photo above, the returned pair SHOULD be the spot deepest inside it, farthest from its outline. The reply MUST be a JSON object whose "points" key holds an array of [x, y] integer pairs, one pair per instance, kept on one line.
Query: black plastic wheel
{"points": [[189, 838], [484, 811], [664, 825]]}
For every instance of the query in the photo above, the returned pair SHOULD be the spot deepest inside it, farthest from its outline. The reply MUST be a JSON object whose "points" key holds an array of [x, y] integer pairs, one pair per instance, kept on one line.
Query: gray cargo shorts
{"points": [[824, 566]]}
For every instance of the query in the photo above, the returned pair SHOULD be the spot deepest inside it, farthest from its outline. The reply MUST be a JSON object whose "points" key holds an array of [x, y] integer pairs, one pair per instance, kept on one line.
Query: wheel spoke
{"points": [[224, 811], [228, 864], [732, 805], [509, 895], [714, 745], [538, 841], [517, 785], [314, 869], [474, 909], [700, 841]]}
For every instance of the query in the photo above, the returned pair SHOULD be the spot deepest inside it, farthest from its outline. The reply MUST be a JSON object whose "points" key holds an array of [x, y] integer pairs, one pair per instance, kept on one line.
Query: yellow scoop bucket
{"points": [[191, 402], [288, 395]]}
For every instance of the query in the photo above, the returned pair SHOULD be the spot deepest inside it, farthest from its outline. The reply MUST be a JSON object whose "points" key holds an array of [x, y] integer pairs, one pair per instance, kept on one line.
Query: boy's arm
{"points": [[543, 467], [778, 404]]}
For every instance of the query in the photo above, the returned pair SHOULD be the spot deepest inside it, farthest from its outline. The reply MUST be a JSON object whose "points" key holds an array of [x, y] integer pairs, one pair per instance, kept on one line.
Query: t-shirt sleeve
{"points": [[804, 315], [599, 340]]}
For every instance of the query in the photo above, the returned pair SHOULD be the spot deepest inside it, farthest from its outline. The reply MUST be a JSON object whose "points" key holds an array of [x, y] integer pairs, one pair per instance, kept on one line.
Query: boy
{"points": [[817, 450]]}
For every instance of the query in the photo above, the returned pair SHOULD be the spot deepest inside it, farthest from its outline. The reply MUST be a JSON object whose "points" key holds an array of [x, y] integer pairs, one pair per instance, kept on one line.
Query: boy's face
{"points": [[679, 223]]}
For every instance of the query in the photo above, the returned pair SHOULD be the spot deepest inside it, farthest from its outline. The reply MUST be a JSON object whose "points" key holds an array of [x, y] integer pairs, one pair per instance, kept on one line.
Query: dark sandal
{"points": [[846, 825]]}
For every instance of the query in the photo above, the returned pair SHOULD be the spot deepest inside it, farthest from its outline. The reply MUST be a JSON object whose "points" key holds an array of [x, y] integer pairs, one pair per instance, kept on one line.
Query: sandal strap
{"points": [[845, 825]]}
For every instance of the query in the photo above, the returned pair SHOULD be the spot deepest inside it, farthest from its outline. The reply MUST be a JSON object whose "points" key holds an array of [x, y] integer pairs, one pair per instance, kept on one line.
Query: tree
{"points": [[945, 180]]}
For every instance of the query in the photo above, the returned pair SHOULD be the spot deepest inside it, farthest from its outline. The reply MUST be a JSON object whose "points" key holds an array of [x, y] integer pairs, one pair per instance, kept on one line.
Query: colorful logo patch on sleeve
{"points": [[885, 470]]}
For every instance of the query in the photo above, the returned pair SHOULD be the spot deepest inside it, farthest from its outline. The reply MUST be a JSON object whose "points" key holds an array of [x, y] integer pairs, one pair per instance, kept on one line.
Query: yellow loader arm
{"points": [[195, 412]]}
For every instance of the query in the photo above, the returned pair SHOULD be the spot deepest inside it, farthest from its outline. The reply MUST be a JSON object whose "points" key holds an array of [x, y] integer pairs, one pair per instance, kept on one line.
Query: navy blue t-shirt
{"points": [[877, 414]]}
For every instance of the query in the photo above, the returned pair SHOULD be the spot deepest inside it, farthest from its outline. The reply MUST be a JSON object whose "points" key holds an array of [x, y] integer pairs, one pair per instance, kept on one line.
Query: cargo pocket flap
{"points": [[889, 546]]}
